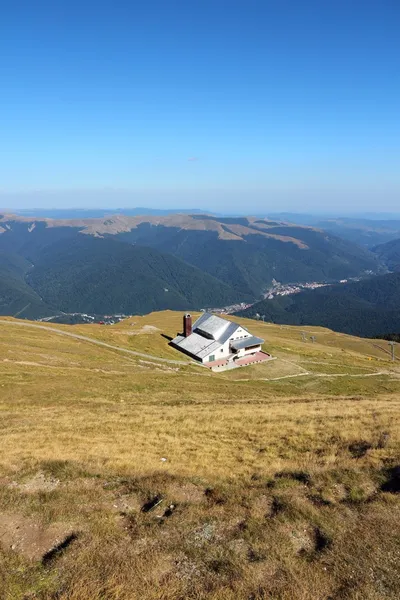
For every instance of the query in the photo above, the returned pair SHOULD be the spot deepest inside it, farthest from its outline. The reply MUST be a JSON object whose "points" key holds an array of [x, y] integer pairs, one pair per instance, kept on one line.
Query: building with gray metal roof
{"points": [[212, 338]]}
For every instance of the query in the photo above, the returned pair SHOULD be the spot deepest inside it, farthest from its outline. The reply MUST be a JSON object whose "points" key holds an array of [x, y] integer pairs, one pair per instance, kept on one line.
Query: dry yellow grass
{"points": [[282, 486]]}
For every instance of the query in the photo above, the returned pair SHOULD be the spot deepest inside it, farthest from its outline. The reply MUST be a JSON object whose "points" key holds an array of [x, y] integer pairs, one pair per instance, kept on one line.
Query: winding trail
{"points": [[308, 373], [97, 342]]}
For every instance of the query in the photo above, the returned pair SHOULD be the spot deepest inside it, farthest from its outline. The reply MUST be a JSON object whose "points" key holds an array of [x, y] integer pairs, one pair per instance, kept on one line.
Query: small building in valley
{"points": [[217, 342]]}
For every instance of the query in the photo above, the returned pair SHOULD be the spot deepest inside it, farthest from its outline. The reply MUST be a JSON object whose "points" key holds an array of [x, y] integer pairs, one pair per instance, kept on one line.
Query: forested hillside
{"points": [[366, 308], [249, 253], [16, 296], [389, 254], [87, 274], [126, 263]]}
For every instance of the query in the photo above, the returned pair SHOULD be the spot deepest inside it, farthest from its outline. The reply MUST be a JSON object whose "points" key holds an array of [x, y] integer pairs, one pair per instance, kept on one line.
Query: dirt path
{"points": [[289, 362], [377, 374], [310, 374], [97, 342]]}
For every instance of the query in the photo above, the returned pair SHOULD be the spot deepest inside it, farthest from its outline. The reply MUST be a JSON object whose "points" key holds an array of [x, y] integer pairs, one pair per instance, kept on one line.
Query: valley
{"points": [[136, 264]]}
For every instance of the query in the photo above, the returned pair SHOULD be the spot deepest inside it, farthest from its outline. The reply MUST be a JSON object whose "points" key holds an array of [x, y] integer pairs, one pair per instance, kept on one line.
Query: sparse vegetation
{"points": [[150, 480]]}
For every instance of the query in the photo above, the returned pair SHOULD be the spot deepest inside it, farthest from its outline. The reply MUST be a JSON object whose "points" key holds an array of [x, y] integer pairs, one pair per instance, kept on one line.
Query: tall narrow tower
{"points": [[187, 324]]}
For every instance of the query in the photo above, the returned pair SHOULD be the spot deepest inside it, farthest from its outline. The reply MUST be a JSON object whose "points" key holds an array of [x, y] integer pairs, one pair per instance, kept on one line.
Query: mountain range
{"points": [[126, 263], [368, 231]]}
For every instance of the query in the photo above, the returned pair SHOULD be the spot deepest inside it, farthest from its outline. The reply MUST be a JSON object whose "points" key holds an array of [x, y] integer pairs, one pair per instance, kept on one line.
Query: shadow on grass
{"points": [[167, 337]]}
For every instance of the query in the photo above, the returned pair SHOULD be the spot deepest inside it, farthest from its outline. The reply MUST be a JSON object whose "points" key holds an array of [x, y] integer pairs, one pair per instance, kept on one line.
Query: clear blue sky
{"points": [[243, 105]]}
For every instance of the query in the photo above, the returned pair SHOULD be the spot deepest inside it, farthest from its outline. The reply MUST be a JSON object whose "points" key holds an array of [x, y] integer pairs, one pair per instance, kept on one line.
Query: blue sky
{"points": [[223, 104]]}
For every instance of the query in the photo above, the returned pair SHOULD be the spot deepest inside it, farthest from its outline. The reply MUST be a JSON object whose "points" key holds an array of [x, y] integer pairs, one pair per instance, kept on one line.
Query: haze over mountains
{"points": [[136, 264], [364, 230]]}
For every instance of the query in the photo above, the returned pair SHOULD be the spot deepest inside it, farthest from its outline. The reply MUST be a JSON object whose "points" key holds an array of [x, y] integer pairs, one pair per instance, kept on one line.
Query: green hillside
{"points": [[105, 276], [389, 254], [16, 296], [245, 253], [368, 308], [251, 252]]}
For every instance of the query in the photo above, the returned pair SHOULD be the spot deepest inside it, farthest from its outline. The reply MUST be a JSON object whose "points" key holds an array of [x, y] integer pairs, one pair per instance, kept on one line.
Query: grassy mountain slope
{"points": [[369, 307], [280, 480], [87, 274], [389, 254]]}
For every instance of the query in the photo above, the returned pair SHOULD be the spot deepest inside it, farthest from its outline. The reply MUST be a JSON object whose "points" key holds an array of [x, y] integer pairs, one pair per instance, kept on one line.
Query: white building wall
{"points": [[239, 333], [224, 350], [221, 352]]}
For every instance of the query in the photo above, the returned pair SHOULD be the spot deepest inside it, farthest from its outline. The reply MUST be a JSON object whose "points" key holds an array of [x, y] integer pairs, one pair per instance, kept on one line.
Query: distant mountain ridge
{"points": [[98, 213], [367, 232], [222, 260]]}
